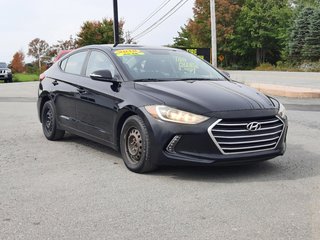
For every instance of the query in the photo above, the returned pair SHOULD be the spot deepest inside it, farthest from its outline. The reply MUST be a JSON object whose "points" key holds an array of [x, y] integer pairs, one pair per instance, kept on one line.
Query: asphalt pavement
{"points": [[78, 189]]}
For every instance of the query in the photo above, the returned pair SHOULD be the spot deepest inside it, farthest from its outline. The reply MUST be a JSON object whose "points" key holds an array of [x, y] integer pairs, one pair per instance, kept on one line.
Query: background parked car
{"points": [[5, 73], [59, 55]]}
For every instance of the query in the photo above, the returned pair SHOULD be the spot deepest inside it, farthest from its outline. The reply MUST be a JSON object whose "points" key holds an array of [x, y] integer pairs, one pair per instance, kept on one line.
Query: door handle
{"points": [[55, 83], [82, 91]]}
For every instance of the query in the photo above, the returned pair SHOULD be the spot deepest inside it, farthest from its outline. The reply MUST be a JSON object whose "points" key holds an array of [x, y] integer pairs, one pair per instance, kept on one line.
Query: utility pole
{"points": [[115, 23], [213, 33], [128, 37]]}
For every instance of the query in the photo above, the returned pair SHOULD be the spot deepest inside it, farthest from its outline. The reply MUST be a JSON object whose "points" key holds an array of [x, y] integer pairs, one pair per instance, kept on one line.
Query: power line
{"points": [[162, 19], [161, 6]]}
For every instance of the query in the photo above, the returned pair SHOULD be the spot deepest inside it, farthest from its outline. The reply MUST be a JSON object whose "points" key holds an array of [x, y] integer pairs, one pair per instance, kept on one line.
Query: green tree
{"points": [[98, 32], [197, 32], [300, 30], [183, 39], [311, 49], [262, 28]]}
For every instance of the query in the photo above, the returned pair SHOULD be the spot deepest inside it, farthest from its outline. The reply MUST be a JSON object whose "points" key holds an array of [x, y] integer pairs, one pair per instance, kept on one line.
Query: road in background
{"points": [[293, 79], [78, 189]]}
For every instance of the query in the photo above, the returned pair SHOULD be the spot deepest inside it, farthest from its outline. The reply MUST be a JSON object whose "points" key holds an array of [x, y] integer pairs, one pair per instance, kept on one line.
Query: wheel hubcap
{"points": [[134, 145], [49, 120]]}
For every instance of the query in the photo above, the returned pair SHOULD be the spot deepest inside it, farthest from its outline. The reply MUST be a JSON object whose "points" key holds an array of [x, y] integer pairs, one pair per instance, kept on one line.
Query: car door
{"points": [[96, 108], [65, 88]]}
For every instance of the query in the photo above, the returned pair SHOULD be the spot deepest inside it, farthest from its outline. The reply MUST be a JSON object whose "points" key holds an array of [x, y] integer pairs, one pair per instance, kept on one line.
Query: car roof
{"points": [[111, 47]]}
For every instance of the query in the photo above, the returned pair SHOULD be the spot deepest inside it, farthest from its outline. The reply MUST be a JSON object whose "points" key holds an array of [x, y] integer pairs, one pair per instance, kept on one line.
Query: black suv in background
{"points": [[5, 73]]}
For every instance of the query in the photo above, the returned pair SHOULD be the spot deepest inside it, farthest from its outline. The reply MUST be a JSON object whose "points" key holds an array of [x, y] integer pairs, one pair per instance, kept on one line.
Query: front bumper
{"points": [[5, 76], [178, 144]]}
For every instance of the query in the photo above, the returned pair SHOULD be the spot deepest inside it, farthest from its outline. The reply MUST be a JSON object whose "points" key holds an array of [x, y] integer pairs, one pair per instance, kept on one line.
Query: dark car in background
{"points": [[5, 73], [159, 106]]}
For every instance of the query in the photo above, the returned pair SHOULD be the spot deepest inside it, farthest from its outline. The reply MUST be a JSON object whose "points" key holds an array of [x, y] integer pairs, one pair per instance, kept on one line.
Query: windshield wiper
{"points": [[200, 79], [151, 80], [175, 79]]}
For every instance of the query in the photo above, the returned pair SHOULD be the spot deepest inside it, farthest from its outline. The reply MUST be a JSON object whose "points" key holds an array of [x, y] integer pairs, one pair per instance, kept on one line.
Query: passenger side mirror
{"points": [[102, 75]]}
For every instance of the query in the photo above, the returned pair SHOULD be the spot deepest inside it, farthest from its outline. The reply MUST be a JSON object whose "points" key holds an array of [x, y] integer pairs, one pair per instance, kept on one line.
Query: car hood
{"points": [[205, 97]]}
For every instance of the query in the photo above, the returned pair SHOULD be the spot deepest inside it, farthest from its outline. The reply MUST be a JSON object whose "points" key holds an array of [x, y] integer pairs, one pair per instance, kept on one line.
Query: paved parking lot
{"points": [[77, 189]]}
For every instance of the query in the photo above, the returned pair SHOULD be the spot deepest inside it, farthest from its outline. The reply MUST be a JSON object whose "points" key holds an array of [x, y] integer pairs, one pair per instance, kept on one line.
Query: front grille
{"points": [[233, 136]]}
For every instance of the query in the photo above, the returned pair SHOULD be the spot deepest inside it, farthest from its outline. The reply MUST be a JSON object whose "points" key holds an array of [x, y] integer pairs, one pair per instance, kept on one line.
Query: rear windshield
{"points": [[165, 64], [3, 65]]}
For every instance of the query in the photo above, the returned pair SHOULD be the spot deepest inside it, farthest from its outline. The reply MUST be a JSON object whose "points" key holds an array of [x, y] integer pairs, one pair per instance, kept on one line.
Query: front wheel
{"points": [[135, 145], [49, 123]]}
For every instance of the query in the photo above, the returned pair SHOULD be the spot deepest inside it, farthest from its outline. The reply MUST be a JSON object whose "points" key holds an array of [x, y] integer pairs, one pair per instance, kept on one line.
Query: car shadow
{"points": [[291, 166], [297, 163], [90, 144]]}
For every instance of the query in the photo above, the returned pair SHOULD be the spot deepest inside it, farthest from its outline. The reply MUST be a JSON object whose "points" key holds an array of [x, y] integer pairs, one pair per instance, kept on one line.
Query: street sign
{"points": [[221, 58]]}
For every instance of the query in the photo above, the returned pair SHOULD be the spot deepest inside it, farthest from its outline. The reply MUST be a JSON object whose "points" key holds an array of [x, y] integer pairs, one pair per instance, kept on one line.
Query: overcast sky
{"points": [[23, 20]]}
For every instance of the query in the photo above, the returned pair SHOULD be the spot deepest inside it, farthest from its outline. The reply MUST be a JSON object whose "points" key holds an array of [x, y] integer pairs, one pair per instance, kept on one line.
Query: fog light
{"points": [[173, 143]]}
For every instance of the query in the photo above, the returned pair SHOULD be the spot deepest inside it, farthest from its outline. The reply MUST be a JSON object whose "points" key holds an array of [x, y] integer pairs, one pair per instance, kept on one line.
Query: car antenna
{"points": [[115, 23]]}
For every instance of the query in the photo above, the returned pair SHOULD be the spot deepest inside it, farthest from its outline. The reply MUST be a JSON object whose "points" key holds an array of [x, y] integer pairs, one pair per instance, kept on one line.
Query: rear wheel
{"points": [[135, 145], [49, 123]]}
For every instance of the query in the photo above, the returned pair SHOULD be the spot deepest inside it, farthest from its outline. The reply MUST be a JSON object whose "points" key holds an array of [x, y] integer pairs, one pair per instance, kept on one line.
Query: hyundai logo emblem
{"points": [[254, 126]]}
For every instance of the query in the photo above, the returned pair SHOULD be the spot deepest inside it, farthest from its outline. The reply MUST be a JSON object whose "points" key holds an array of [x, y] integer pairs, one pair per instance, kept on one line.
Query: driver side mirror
{"points": [[103, 75]]}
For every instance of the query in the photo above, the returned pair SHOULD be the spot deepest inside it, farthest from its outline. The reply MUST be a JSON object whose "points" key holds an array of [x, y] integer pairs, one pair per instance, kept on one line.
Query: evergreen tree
{"points": [[311, 50], [301, 29]]}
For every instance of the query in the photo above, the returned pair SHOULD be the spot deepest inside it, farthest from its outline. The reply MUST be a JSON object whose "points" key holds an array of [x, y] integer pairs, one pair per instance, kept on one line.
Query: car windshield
{"points": [[3, 65], [165, 65]]}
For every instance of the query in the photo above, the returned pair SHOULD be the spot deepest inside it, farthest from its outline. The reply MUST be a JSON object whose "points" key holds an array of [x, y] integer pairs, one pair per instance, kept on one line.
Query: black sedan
{"points": [[159, 106]]}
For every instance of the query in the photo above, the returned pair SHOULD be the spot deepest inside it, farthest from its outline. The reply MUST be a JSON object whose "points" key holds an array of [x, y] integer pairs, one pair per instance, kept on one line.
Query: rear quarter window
{"points": [[74, 63], [63, 64]]}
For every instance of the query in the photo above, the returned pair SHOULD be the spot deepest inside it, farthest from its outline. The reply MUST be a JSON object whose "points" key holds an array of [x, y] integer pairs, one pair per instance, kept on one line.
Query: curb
{"points": [[286, 91]]}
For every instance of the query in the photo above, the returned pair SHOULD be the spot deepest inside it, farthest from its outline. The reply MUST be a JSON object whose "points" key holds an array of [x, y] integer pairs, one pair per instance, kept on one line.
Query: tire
{"points": [[49, 122], [135, 146], [10, 80]]}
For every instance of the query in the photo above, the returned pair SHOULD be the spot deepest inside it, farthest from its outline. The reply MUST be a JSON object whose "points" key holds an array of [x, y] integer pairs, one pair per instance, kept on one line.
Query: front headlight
{"points": [[169, 114], [282, 111], [9, 71]]}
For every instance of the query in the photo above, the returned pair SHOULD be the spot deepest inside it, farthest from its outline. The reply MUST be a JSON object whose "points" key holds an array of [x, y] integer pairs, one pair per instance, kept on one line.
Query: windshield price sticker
{"points": [[128, 52], [186, 66]]}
